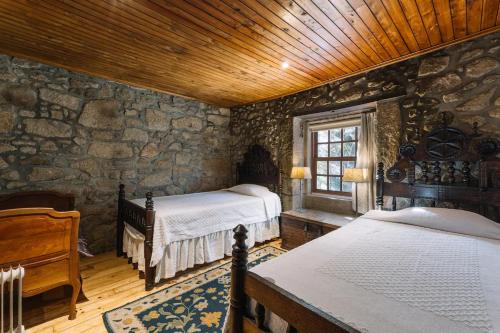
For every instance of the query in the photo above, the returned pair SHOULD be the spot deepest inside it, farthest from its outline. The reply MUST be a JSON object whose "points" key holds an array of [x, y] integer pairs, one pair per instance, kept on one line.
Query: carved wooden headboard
{"points": [[259, 168], [445, 165]]}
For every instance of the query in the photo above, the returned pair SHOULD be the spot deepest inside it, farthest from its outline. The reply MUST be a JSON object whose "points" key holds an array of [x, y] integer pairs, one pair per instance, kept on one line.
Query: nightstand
{"points": [[300, 227]]}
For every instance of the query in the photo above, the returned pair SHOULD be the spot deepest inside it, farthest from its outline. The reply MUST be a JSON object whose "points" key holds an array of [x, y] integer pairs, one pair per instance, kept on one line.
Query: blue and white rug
{"points": [[198, 304]]}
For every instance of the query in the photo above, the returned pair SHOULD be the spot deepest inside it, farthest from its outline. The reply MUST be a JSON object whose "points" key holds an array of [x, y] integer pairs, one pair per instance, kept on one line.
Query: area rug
{"points": [[198, 304]]}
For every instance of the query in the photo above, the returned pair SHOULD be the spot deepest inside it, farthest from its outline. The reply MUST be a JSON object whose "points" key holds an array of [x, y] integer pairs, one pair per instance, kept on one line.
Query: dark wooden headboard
{"points": [[445, 165], [259, 168], [51, 199]]}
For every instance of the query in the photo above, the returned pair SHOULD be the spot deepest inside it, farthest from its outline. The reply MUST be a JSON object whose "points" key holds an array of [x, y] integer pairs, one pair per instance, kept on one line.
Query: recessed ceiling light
{"points": [[284, 65]]}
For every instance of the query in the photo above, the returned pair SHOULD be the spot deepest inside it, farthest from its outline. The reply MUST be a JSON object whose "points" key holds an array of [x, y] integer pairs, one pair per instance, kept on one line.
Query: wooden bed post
{"points": [[149, 271], [380, 186], [120, 226], [238, 272]]}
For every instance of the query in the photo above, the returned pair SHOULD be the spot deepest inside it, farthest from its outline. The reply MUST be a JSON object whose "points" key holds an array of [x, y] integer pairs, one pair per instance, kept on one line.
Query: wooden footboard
{"points": [[300, 316], [142, 219]]}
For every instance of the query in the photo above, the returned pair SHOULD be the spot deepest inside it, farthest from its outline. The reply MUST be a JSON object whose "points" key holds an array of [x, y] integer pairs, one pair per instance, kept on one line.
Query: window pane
{"points": [[349, 133], [347, 165], [334, 167], [335, 149], [323, 150], [323, 136], [346, 187], [336, 134], [334, 184], [321, 183], [349, 149], [321, 167]]}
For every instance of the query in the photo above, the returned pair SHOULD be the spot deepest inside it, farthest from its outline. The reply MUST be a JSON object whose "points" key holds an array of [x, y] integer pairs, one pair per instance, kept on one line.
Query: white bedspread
{"points": [[189, 216], [390, 277]]}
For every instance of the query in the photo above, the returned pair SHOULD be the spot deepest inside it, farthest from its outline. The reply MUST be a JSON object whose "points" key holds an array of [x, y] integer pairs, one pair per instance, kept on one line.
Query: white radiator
{"points": [[7, 280]]}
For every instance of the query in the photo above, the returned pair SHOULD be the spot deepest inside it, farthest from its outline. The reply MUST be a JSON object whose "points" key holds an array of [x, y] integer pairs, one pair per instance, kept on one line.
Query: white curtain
{"points": [[367, 152]]}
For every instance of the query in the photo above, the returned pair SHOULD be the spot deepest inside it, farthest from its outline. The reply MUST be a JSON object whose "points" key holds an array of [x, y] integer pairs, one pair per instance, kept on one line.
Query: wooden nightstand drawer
{"points": [[292, 232], [300, 227]]}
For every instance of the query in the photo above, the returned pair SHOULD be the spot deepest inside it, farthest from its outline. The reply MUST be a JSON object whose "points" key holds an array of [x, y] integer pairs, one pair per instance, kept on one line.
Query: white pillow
{"points": [[250, 189], [451, 220]]}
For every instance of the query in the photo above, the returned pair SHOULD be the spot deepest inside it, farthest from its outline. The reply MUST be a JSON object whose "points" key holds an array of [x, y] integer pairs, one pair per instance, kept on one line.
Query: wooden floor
{"points": [[108, 283]]}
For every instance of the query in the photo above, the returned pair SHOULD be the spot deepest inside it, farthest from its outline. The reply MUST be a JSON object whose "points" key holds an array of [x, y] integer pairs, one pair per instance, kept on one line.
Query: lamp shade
{"points": [[301, 173], [356, 175]]}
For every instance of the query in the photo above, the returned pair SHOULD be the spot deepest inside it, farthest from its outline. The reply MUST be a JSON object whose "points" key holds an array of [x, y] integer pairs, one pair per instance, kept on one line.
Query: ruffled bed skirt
{"points": [[184, 254]]}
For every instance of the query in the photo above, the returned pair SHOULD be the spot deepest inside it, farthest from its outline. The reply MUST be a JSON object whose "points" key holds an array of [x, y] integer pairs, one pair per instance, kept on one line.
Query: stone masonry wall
{"points": [[70, 132], [463, 79]]}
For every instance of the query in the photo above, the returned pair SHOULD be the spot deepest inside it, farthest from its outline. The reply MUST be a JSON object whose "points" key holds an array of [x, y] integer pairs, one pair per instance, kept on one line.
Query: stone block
{"points": [[88, 166], [48, 128], [11, 175], [21, 96], [59, 98], [469, 55], [45, 174], [476, 103], [4, 147], [218, 120], [182, 158], [7, 119], [215, 167], [135, 134], [48, 146], [110, 150], [102, 114], [495, 113], [433, 65], [157, 179], [440, 84], [150, 150], [480, 67], [188, 123], [156, 120]]}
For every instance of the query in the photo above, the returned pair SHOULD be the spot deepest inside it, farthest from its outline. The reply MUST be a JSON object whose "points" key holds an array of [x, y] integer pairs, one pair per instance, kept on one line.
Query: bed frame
{"points": [[470, 180], [257, 168], [51, 199], [60, 202]]}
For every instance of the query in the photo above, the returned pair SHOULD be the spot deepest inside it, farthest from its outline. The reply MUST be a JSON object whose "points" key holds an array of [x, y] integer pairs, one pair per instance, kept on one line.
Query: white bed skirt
{"points": [[184, 254]]}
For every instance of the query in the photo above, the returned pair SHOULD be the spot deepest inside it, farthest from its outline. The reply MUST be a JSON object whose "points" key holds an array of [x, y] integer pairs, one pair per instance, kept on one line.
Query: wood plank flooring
{"points": [[108, 283]]}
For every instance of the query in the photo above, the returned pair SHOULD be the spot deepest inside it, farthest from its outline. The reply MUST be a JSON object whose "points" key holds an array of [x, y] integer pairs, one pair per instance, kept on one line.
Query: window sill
{"points": [[331, 196]]}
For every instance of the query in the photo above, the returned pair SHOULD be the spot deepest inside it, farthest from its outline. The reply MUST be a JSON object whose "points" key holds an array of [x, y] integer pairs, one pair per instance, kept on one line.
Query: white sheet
{"points": [[191, 216], [181, 255], [389, 277], [452, 220]]}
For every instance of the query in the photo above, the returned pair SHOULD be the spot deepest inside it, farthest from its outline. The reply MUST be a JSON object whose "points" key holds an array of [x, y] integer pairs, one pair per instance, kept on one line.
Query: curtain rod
{"points": [[336, 117]]}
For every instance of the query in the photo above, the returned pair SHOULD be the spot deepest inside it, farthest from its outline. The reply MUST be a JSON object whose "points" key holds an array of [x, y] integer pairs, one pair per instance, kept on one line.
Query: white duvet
{"points": [[395, 272], [188, 216]]}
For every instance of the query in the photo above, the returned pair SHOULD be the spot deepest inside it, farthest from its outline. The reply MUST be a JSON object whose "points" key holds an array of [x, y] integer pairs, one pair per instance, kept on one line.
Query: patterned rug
{"points": [[198, 304]]}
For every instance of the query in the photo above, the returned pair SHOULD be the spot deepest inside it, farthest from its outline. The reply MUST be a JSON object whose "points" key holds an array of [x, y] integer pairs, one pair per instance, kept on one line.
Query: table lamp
{"points": [[355, 175], [301, 173]]}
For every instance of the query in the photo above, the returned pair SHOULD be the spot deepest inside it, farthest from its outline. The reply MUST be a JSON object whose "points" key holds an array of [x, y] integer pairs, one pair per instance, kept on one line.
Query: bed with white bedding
{"points": [[172, 233], [415, 270], [196, 228]]}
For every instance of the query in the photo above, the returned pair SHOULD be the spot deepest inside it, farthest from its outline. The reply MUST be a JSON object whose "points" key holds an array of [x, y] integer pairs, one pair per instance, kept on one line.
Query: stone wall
{"points": [[463, 79], [65, 131]]}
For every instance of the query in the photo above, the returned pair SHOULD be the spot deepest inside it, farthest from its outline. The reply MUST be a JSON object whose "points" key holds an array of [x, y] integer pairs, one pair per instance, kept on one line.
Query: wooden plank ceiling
{"points": [[230, 52]]}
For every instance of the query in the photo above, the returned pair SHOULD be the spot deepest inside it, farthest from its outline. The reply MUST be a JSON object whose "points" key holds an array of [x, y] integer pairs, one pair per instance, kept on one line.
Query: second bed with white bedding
{"points": [[385, 273], [197, 228]]}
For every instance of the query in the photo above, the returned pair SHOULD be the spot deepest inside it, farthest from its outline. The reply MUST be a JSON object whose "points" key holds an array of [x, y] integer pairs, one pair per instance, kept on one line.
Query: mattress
{"points": [[189, 216], [390, 277]]}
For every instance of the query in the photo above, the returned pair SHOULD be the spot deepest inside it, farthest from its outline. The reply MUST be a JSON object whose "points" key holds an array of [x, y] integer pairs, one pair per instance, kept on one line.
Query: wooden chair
{"points": [[44, 242]]}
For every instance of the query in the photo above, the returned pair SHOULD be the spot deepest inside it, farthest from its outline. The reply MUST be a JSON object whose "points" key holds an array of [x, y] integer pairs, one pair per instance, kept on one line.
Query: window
{"points": [[333, 151]]}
